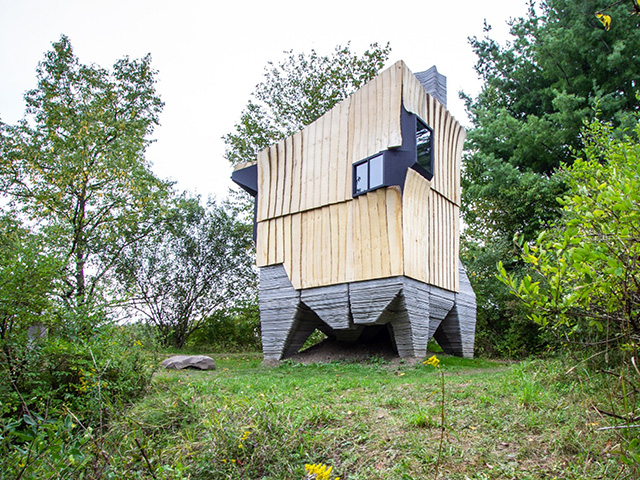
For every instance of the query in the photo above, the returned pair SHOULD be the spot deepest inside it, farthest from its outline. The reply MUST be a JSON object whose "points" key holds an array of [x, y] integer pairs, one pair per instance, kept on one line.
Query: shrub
{"points": [[236, 329]]}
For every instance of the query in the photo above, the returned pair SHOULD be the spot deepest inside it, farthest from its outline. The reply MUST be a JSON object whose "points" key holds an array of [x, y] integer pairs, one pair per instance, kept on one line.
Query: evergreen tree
{"points": [[560, 68]]}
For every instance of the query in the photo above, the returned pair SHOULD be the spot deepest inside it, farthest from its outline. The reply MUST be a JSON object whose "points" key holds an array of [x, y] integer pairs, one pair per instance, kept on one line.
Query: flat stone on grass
{"points": [[179, 362]]}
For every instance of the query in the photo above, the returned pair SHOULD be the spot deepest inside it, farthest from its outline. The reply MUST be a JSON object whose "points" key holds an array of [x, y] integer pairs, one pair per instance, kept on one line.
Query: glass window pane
{"points": [[423, 144], [362, 178], [376, 172]]}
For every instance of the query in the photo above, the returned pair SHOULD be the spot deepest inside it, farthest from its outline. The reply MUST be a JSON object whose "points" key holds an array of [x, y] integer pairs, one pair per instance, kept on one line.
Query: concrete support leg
{"points": [[279, 303], [414, 311], [456, 334]]}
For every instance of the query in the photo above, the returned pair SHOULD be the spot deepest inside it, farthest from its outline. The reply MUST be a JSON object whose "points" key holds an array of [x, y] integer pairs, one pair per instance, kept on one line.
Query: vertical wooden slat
{"points": [[327, 236], [261, 249], [287, 245], [350, 246], [326, 189], [273, 181], [296, 250], [334, 182], [263, 184], [395, 105], [395, 222], [385, 226], [382, 121], [335, 243], [278, 151], [374, 231], [296, 171], [316, 185], [288, 176], [373, 143], [306, 164], [345, 148]]}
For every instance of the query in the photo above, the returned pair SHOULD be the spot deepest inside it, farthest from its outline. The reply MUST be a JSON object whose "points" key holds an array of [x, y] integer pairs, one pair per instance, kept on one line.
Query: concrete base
{"points": [[414, 311]]}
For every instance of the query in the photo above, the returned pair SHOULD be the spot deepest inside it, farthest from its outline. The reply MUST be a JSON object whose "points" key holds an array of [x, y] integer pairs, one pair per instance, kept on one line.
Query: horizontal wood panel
{"points": [[313, 168], [339, 243]]}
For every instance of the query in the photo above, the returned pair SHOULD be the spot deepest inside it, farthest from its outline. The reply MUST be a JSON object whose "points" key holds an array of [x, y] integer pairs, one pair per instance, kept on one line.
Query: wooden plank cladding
{"points": [[308, 220], [337, 243], [430, 234], [313, 167]]}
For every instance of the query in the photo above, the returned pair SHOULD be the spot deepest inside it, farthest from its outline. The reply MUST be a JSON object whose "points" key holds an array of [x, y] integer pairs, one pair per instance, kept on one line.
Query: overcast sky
{"points": [[210, 55]]}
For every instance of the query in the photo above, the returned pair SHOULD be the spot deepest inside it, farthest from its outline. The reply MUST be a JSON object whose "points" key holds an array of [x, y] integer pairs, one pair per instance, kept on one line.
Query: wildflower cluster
{"points": [[433, 361], [245, 435], [318, 472]]}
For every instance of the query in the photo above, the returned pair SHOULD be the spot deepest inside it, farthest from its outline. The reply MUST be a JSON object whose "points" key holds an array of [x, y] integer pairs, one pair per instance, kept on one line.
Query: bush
{"points": [[584, 283], [236, 329], [89, 377]]}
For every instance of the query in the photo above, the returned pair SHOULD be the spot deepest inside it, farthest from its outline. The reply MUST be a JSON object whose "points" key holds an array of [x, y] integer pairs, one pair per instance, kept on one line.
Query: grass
{"points": [[369, 421]]}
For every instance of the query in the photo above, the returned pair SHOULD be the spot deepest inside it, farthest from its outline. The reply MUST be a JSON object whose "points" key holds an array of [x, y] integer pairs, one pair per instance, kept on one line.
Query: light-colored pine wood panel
{"points": [[261, 248], [305, 166], [344, 168], [287, 253], [386, 224], [327, 238], [296, 251], [304, 243], [316, 253], [394, 216], [359, 238], [287, 188], [460, 139], [409, 209], [376, 234], [280, 240], [263, 184], [278, 153], [346, 213], [455, 241], [327, 190], [393, 105], [334, 185], [415, 202], [316, 185], [336, 244], [381, 120], [273, 181], [296, 171]]}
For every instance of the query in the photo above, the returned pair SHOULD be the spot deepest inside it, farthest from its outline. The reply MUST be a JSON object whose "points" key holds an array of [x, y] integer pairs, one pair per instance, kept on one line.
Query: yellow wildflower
{"points": [[433, 361]]}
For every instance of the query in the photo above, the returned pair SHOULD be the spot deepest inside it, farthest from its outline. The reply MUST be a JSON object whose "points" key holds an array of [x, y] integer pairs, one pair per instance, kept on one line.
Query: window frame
{"points": [[427, 173], [367, 161]]}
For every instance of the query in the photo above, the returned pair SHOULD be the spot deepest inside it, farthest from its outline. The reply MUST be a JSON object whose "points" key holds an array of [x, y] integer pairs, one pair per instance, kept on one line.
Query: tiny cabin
{"points": [[357, 223]]}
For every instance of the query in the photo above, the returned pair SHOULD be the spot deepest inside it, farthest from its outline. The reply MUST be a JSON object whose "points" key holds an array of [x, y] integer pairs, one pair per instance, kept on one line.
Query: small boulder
{"points": [[178, 362]]}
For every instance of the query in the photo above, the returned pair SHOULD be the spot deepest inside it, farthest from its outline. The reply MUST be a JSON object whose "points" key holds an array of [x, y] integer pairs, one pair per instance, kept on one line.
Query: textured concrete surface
{"points": [[413, 311]]}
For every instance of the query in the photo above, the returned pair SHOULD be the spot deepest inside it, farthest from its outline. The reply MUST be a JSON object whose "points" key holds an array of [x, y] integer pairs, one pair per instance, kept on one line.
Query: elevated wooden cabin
{"points": [[357, 222]]}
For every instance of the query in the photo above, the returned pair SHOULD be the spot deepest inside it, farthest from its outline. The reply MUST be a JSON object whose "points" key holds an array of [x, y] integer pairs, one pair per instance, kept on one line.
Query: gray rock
{"points": [[178, 362]]}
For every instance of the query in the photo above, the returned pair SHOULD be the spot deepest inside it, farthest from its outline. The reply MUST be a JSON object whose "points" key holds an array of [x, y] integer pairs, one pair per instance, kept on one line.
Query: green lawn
{"points": [[369, 421]]}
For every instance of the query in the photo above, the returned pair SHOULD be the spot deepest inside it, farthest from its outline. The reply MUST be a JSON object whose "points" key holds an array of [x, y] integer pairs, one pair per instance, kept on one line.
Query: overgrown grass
{"points": [[369, 421]]}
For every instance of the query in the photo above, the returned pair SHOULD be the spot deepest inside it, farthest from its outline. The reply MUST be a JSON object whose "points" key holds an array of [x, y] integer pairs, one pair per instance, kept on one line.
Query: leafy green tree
{"points": [[297, 91], [76, 165], [28, 278], [199, 261], [585, 283], [559, 69]]}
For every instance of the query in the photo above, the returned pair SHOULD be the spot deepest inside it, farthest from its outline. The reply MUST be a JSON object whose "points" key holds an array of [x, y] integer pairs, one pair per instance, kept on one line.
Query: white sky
{"points": [[210, 55]]}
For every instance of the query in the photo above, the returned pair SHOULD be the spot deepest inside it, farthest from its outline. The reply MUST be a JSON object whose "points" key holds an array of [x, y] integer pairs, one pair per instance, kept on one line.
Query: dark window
{"points": [[424, 146], [368, 175]]}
